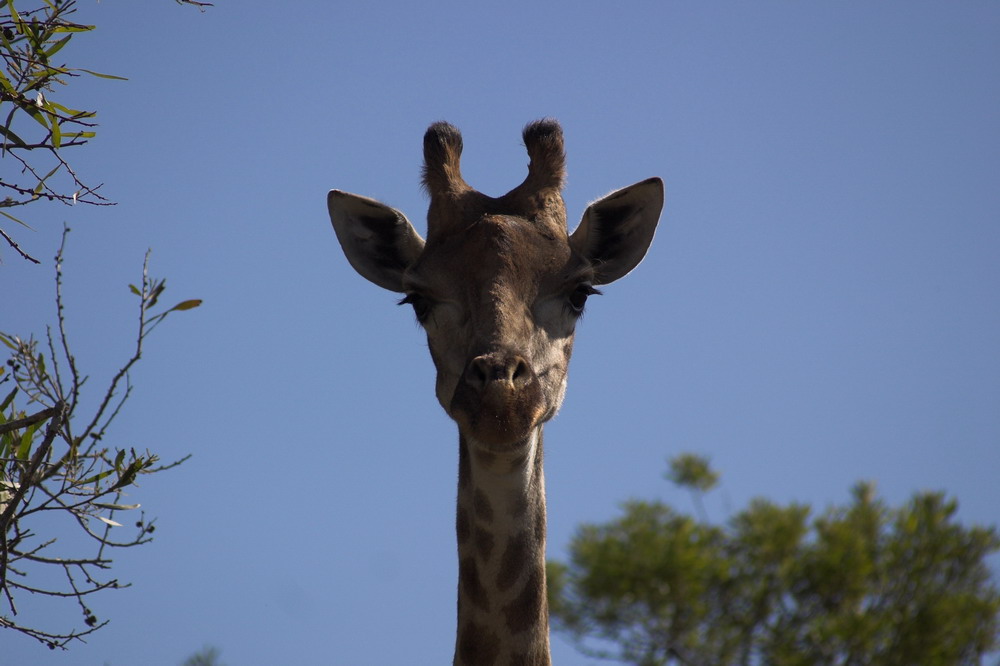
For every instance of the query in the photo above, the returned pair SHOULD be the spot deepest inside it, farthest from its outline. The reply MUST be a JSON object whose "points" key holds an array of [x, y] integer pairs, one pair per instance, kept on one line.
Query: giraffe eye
{"points": [[578, 297], [421, 306]]}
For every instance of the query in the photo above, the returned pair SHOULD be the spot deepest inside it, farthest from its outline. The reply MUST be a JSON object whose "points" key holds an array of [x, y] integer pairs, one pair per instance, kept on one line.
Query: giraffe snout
{"points": [[498, 400], [509, 371]]}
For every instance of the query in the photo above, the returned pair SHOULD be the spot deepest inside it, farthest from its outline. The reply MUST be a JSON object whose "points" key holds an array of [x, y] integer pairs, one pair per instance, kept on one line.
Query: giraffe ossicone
{"points": [[499, 285]]}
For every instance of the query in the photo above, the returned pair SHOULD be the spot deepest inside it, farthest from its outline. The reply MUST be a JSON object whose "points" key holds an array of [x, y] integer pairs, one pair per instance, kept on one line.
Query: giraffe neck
{"points": [[502, 608]]}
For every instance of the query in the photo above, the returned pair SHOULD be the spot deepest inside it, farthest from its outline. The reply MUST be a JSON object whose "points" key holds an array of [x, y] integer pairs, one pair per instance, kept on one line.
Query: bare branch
{"points": [[17, 248], [50, 472], [81, 481]]}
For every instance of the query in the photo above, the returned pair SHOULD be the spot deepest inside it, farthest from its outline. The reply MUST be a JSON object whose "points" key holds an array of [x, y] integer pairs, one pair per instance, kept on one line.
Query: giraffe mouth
{"points": [[499, 417]]}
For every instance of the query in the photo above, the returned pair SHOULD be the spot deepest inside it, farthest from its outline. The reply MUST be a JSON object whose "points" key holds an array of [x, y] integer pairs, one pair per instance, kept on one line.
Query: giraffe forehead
{"points": [[502, 254]]}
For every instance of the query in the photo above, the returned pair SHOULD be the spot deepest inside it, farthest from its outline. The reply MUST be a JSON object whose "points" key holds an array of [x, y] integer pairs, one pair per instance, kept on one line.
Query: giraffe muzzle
{"points": [[498, 401]]}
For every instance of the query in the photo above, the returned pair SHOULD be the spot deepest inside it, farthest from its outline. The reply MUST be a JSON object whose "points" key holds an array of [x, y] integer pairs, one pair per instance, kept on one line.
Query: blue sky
{"points": [[819, 305]]}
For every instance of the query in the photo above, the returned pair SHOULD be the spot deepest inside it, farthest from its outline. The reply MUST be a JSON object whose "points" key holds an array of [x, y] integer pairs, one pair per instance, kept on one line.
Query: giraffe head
{"points": [[499, 284]]}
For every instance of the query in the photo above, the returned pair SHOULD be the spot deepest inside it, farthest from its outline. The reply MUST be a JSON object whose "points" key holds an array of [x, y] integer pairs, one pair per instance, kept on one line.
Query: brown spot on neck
{"points": [[484, 545], [481, 505], [514, 561], [471, 584], [529, 608], [477, 644]]}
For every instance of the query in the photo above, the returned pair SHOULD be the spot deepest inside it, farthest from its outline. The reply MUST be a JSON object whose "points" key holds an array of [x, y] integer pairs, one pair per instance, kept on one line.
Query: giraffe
{"points": [[498, 286]]}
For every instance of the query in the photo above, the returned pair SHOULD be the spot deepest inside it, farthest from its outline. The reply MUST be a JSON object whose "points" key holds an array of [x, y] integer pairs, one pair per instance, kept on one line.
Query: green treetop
{"points": [[862, 584]]}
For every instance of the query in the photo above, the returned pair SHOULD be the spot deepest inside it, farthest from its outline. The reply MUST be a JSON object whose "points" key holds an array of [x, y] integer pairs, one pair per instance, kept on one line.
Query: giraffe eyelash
{"points": [[421, 305], [578, 297]]}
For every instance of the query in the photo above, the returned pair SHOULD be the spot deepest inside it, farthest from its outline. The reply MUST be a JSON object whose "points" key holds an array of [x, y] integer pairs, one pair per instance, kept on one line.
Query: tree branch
{"points": [[28, 420], [17, 248]]}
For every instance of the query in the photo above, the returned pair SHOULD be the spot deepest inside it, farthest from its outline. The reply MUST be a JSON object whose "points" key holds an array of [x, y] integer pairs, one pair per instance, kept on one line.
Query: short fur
{"points": [[547, 169], [442, 175]]}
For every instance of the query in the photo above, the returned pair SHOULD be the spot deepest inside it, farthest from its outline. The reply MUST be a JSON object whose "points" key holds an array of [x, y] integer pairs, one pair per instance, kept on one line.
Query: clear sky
{"points": [[820, 304]]}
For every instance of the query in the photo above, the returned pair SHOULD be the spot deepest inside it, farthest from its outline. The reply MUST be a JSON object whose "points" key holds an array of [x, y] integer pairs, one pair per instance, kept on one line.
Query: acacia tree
{"points": [[62, 488], [862, 584]]}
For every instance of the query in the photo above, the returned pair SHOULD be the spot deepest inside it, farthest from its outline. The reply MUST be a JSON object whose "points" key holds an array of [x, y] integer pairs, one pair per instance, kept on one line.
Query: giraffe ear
{"points": [[378, 240], [616, 230]]}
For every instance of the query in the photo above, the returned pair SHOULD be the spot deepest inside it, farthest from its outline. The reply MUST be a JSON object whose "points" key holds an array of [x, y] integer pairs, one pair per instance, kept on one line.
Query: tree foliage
{"points": [[59, 477], [38, 124], [62, 487], [207, 656], [862, 584]]}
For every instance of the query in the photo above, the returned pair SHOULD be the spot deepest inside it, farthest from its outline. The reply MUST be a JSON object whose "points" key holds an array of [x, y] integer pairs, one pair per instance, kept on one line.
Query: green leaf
{"points": [[13, 12], [57, 46], [8, 215], [35, 113], [8, 399], [94, 479], [56, 133], [127, 477], [4, 81], [41, 182], [15, 139], [65, 109], [72, 28], [135, 290], [25, 447], [79, 136], [117, 507], [186, 305], [103, 76]]}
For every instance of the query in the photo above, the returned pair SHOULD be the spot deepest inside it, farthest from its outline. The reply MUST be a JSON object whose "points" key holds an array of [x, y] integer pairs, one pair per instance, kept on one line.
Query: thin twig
{"points": [[143, 301], [17, 248], [61, 321]]}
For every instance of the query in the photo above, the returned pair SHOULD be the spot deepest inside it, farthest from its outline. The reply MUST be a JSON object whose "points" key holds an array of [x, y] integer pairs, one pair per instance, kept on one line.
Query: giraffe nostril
{"points": [[478, 373], [506, 369], [521, 373]]}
